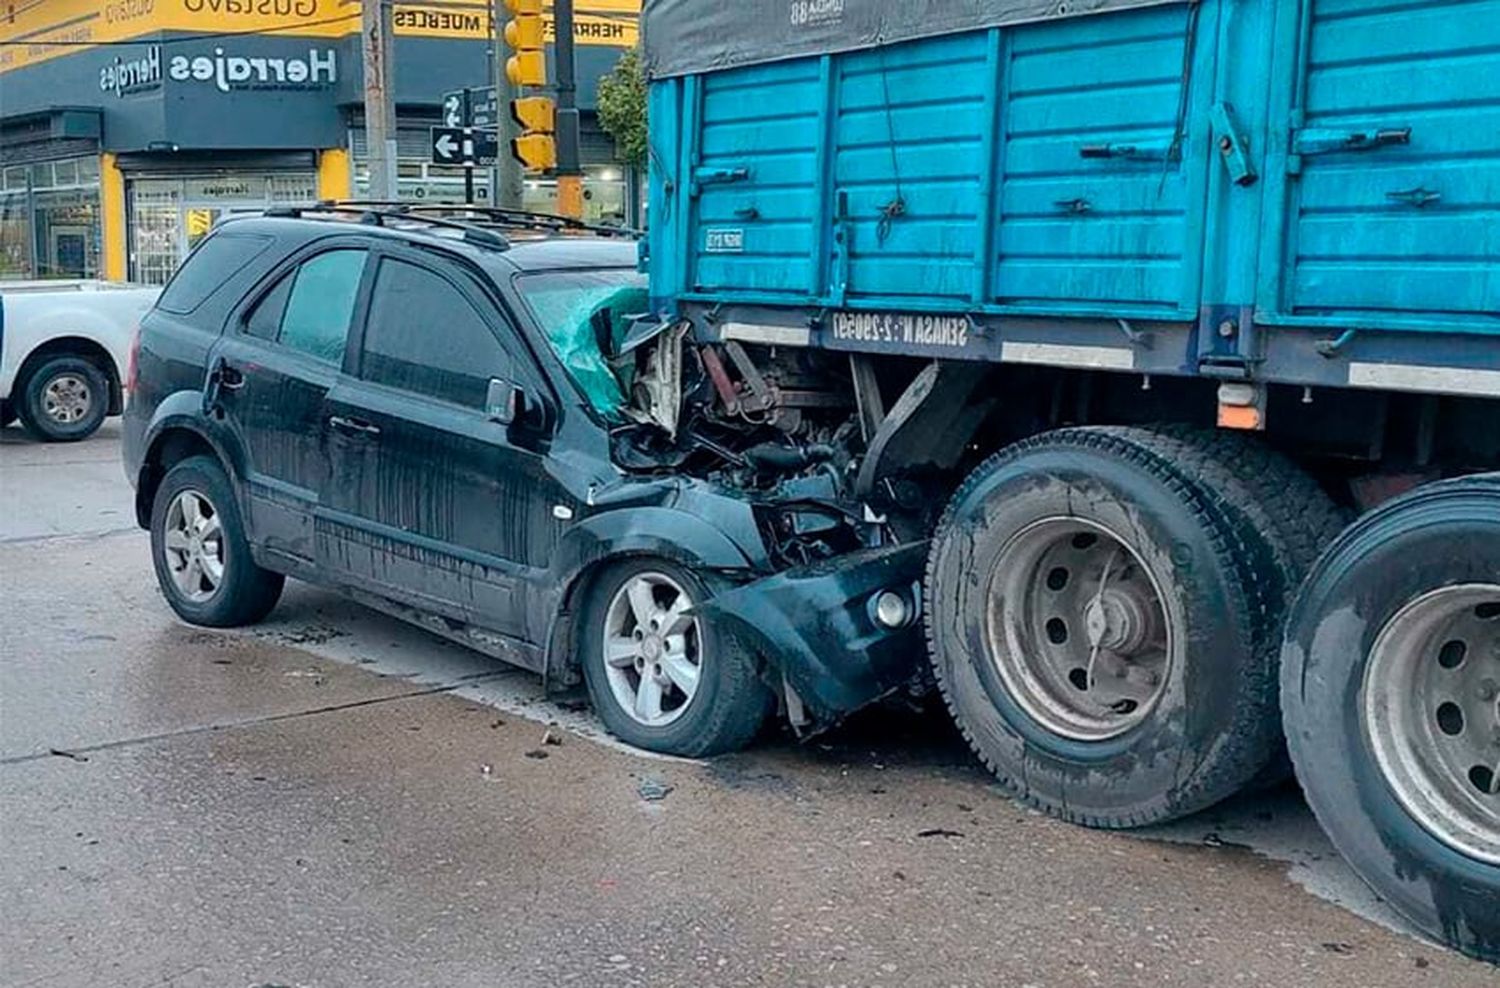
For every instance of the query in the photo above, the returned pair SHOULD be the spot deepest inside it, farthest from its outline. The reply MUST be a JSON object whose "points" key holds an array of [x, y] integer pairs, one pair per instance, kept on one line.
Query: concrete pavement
{"points": [[335, 798]]}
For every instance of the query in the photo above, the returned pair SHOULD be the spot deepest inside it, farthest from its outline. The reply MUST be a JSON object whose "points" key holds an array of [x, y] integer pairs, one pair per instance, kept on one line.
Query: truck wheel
{"points": [[63, 399], [203, 562], [1285, 520], [1094, 631], [659, 677], [1390, 678]]}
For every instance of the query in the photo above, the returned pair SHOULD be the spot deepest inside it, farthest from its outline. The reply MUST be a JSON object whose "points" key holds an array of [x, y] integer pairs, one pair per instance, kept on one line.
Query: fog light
{"points": [[891, 609]]}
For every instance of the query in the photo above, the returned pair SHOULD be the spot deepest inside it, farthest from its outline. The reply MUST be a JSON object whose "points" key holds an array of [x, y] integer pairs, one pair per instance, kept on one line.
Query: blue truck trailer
{"points": [[1128, 308]]}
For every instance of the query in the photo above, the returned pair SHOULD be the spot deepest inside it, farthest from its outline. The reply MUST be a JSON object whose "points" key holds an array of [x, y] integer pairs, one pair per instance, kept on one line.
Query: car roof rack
{"points": [[520, 219], [481, 235]]}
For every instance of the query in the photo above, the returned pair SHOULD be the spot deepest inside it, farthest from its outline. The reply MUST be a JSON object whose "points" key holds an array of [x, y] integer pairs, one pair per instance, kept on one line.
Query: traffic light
{"points": [[523, 34], [535, 147]]}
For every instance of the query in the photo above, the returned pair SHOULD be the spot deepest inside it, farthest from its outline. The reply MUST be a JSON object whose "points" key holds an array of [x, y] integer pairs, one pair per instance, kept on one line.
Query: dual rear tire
{"points": [[1104, 616]]}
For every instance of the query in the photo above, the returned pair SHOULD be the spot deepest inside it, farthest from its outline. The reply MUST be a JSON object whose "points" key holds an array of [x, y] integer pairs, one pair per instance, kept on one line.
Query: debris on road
{"points": [[653, 790], [939, 832], [63, 753], [551, 737], [536, 753]]}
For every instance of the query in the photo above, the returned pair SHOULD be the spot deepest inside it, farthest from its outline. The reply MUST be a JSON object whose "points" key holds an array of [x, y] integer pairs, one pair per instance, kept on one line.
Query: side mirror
{"points": [[504, 401], [507, 403]]}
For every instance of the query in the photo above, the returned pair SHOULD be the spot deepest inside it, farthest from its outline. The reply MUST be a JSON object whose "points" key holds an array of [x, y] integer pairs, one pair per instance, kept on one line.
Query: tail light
{"points": [[132, 363]]}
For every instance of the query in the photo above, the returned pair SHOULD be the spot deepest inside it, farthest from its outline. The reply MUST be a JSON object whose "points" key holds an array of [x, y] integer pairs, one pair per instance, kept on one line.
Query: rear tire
{"points": [[63, 399], [1284, 520], [198, 547], [663, 680], [1034, 707], [1388, 682]]}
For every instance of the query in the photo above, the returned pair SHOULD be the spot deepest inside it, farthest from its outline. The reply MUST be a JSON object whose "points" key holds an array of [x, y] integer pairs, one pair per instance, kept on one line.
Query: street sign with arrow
{"points": [[463, 146], [483, 107]]}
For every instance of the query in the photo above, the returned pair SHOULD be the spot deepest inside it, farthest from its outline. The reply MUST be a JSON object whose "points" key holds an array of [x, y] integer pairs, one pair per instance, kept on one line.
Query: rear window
{"points": [[214, 262]]}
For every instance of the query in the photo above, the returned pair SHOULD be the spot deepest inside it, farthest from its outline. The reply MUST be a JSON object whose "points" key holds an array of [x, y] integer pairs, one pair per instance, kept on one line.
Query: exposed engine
{"points": [[779, 424]]}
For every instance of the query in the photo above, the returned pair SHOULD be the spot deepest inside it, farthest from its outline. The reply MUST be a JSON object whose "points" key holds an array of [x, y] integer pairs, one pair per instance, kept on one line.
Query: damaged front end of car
{"points": [[836, 613]]}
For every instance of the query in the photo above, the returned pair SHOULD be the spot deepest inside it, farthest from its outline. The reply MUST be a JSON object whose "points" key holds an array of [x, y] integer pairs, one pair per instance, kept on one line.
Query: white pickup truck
{"points": [[64, 350]]}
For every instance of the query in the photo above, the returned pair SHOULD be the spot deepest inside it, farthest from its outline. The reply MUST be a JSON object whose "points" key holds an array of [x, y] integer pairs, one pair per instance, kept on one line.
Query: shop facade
{"points": [[117, 153]]}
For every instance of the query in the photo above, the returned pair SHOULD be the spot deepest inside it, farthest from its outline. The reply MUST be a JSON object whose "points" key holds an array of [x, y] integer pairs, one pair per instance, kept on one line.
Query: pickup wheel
{"points": [[1391, 694], [661, 677], [198, 547], [63, 399], [1094, 631]]}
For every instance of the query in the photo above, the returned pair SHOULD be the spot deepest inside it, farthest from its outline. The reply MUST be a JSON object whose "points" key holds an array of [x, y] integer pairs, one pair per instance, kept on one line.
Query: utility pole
{"points": [[508, 172], [380, 101], [569, 173]]}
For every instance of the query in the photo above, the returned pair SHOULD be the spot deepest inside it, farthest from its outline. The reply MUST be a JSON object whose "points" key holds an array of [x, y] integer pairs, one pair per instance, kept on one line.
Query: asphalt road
{"points": [[334, 798]]}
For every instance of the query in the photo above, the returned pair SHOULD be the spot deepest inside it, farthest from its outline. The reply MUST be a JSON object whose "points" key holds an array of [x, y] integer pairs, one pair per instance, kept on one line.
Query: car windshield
{"points": [[584, 315]]}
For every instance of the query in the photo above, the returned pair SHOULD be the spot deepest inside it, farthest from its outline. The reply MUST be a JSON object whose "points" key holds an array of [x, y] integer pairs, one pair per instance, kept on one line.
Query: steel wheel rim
{"points": [[652, 649], [66, 399], [192, 546], [1432, 714], [1077, 628]]}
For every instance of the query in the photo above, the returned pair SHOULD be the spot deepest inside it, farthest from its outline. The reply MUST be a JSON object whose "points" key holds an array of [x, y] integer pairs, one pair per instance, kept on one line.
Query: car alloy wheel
{"points": [[653, 651], [193, 546]]}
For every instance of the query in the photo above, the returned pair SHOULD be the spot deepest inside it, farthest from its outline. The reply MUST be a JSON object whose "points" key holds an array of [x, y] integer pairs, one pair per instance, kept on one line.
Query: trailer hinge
{"points": [[1233, 145]]}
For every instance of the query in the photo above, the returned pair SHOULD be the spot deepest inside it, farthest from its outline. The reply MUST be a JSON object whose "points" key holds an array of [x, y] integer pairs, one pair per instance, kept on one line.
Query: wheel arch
{"points": [[174, 436], [73, 346], [601, 541]]}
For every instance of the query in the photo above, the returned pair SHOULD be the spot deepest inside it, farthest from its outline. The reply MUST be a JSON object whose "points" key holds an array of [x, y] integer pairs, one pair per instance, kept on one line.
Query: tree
{"points": [[622, 108]]}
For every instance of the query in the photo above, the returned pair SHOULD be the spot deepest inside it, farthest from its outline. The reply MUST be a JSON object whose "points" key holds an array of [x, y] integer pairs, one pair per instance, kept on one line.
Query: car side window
{"points": [[320, 304], [425, 336], [264, 321]]}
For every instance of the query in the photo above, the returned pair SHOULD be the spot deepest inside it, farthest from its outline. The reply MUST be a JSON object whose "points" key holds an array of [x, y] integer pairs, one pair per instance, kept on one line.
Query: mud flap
{"points": [[815, 625]]}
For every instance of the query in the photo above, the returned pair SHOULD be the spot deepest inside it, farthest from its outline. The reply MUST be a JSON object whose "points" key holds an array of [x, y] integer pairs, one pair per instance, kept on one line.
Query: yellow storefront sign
{"points": [[39, 31]]}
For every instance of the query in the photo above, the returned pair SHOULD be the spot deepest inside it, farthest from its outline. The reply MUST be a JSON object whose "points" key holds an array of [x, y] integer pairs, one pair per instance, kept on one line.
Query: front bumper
{"points": [[816, 626]]}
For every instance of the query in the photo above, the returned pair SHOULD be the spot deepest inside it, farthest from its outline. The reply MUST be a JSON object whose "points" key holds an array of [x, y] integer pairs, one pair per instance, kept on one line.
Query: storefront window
{"points": [[49, 219], [420, 181], [168, 216], [604, 194], [15, 232]]}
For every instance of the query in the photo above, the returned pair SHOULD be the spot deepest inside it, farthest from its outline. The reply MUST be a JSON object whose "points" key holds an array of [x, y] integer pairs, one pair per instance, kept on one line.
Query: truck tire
{"points": [[1291, 520], [7, 414], [63, 399], [1389, 679], [198, 547], [1096, 630], [661, 679]]}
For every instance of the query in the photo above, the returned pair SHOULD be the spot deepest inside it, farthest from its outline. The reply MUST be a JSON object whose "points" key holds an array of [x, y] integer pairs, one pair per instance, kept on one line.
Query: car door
{"points": [[268, 377], [432, 501]]}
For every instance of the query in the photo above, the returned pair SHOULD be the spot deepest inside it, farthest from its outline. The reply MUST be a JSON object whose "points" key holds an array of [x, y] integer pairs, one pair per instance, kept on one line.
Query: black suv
{"points": [[426, 413]]}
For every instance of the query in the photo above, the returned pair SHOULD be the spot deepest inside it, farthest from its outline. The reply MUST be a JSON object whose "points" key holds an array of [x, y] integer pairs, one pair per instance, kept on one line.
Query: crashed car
{"points": [[468, 419]]}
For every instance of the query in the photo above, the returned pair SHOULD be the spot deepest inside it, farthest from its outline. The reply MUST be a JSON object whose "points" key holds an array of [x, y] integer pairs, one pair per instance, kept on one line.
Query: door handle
{"points": [[230, 378], [358, 427]]}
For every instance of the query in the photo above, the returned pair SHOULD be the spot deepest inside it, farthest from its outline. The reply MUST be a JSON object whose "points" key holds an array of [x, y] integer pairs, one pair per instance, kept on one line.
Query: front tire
{"points": [[198, 547], [1094, 628], [1389, 691], [63, 399], [660, 677]]}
